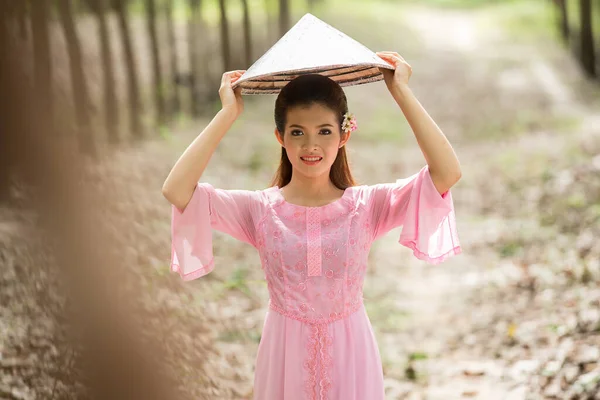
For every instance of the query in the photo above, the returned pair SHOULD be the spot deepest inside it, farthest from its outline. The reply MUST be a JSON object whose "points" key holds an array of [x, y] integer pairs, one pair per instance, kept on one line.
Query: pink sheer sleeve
{"points": [[229, 211], [427, 218]]}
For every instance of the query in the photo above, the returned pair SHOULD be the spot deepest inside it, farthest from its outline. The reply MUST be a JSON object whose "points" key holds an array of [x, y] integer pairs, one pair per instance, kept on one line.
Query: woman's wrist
{"points": [[229, 113]]}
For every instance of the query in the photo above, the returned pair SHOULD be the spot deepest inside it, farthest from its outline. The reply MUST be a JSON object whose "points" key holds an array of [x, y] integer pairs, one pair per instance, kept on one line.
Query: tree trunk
{"points": [[81, 96], [135, 108], [564, 19], [42, 67], [284, 17], [225, 45], [207, 55], [193, 56], [159, 102], [175, 106], [110, 96], [22, 17], [247, 34], [7, 159], [588, 58], [269, 23]]}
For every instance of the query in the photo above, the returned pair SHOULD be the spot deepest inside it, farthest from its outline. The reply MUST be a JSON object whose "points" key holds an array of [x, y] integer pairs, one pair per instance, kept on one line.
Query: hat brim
{"points": [[343, 74]]}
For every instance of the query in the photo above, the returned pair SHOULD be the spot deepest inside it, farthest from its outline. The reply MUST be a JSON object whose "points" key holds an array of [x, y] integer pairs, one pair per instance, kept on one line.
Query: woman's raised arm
{"points": [[185, 174]]}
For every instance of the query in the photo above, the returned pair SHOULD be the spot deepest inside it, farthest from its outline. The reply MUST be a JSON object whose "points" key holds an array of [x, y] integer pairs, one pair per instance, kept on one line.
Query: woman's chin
{"points": [[311, 171]]}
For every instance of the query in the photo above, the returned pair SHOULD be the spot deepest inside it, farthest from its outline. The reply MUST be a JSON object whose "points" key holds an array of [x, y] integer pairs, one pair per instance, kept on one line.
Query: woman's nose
{"points": [[309, 144]]}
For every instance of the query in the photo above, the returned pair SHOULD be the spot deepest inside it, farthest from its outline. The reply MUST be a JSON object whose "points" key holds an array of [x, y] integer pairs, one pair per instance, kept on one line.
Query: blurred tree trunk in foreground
{"points": [[113, 363], [22, 18]]}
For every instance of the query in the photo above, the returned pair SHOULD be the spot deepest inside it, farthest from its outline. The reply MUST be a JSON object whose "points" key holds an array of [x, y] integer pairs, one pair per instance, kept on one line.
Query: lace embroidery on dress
{"points": [[313, 233], [319, 360]]}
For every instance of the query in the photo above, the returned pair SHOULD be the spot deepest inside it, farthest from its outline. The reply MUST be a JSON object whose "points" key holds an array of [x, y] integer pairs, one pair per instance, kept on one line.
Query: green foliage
{"points": [[238, 281], [576, 200], [163, 270], [528, 19], [417, 356], [255, 163], [459, 4], [383, 126], [165, 132], [386, 315], [510, 249], [501, 126]]}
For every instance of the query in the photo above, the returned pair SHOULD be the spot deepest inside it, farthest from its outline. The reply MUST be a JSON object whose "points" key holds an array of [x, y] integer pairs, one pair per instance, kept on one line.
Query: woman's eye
{"points": [[327, 132]]}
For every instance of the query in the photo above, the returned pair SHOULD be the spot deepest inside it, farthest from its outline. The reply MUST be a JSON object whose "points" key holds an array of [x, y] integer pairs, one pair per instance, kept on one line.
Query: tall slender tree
{"points": [[247, 34], [271, 28], [78, 83], [175, 106], [159, 101], [225, 44], [111, 113], [563, 18], [133, 86], [588, 58], [193, 55], [284, 17], [42, 67]]}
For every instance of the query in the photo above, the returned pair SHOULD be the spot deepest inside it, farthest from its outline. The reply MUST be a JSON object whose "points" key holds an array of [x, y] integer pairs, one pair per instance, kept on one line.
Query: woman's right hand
{"points": [[231, 99]]}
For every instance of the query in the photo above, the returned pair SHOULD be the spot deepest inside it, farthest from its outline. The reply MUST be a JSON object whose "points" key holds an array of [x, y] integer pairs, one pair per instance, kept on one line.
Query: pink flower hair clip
{"points": [[349, 123]]}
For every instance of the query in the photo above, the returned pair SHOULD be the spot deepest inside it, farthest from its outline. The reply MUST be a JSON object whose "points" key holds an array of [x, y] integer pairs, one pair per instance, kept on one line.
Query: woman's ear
{"points": [[345, 139], [279, 137]]}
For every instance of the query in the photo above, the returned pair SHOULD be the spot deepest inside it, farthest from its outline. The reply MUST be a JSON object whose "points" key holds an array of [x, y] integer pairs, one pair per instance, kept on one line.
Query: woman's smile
{"points": [[311, 160]]}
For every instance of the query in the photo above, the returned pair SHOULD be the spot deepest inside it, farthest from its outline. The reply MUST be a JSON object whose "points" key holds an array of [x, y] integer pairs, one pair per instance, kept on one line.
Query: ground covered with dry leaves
{"points": [[516, 316]]}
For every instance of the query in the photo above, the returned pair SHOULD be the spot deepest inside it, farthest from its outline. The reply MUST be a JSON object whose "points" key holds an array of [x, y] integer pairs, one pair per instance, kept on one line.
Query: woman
{"points": [[313, 229]]}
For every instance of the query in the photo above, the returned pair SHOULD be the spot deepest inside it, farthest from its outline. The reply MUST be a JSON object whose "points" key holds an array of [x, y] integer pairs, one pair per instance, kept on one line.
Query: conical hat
{"points": [[312, 46]]}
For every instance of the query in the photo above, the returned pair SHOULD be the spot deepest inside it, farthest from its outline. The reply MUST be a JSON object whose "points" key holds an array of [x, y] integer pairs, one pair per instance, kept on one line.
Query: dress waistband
{"points": [[316, 321]]}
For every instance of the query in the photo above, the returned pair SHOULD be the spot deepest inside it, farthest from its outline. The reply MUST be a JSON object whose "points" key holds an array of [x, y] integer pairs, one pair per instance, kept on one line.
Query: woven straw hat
{"points": [[312, 46]]}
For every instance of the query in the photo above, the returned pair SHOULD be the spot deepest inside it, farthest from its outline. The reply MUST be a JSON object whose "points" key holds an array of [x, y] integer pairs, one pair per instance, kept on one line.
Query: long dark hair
{"points": [[304, 91]]}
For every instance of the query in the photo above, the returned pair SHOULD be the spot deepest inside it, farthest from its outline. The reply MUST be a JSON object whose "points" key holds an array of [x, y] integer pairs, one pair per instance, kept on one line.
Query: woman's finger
{"points": [[391, 54]]}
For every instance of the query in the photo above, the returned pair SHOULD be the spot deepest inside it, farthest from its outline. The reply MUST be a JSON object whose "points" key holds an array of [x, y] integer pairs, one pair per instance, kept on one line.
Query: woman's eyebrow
{"points": [[300, 126]]}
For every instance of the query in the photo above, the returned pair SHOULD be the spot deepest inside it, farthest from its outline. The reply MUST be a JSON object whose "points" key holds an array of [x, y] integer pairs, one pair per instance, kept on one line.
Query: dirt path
{"points": [[433, 304]]}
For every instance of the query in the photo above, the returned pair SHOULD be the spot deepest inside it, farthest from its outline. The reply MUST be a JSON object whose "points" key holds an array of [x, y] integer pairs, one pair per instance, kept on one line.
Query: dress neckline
{"points": [[337, 201]]}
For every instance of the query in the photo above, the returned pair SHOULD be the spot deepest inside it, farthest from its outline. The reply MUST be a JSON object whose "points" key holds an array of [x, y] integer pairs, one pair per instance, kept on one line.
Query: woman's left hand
{"points": [[402, 72]]}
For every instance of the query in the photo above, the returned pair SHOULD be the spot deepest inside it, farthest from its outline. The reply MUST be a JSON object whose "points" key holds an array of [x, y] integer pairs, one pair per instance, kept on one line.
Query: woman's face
{"points": [[312, 132]]}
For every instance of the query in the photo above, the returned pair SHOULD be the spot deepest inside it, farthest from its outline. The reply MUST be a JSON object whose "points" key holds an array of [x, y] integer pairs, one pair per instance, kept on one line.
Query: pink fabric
{"points": [[229, 211], [317, 340]]}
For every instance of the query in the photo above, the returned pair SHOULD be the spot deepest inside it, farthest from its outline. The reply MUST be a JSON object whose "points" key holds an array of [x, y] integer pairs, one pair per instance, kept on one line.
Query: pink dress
{"points": [[317, 340]]}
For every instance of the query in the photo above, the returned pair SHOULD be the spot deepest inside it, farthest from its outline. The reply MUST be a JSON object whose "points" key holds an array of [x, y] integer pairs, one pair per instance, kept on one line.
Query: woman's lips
{"points": [[311, 160]]}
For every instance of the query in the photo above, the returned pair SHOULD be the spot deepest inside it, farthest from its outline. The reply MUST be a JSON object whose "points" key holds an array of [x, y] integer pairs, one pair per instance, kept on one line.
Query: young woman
{"points": [[313, 229]]}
